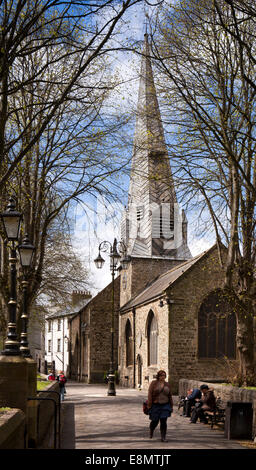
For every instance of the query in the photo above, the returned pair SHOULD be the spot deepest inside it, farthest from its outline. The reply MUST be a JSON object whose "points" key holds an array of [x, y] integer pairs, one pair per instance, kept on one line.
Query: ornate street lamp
{"points": [[115, 259], [26, 251], [125, 261], [11, 221], [99, 261]]}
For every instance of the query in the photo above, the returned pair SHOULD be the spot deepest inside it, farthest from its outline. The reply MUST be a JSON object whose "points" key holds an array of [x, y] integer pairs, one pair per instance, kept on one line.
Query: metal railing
{"points": [[59, 408], [55, 414]]}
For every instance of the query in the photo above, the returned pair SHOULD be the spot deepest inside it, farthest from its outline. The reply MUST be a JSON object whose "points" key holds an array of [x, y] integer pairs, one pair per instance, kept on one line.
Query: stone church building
{"points": [[170, 313]]}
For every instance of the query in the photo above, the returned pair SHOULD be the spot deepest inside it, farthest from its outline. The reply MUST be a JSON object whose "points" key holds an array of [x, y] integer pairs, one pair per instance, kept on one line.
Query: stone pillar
{"points": [[13, 382], [32, 376]]}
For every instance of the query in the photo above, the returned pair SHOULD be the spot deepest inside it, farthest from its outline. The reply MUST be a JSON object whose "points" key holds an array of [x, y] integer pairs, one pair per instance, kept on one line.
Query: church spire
{"points": [[149, 132], [148, 226]]}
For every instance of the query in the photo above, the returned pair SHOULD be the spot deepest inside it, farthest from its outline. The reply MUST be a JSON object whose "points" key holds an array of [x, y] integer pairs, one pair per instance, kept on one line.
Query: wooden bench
{"points": [[181, 403], [218, 415]]}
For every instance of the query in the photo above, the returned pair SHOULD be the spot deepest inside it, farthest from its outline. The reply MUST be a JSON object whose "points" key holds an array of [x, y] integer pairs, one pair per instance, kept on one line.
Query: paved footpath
{"points": [[93, 420]]}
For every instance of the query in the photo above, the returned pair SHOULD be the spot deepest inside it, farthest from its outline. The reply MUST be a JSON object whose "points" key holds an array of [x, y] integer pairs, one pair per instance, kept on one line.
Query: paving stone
{"points": [[94, 420]]}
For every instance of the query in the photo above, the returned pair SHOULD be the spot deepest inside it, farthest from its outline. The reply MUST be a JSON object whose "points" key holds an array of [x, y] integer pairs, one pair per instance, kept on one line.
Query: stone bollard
{"points": [[13, 382]]}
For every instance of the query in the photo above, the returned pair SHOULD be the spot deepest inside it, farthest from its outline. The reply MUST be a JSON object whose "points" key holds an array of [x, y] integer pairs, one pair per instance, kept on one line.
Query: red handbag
{"points": [[145, 407]]}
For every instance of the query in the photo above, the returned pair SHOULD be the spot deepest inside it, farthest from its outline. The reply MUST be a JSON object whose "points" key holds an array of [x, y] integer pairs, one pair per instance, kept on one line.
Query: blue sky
{"points": [[100, 224]]}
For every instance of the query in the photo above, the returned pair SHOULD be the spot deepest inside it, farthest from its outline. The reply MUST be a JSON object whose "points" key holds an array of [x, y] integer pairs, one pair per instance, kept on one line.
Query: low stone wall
{"points": [[41, 433], [38, 428], [225, 392], [12, 429]]}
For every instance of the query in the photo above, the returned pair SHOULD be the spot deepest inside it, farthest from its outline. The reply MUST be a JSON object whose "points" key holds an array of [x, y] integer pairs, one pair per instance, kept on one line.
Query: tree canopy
{"points": [[205, 54]]}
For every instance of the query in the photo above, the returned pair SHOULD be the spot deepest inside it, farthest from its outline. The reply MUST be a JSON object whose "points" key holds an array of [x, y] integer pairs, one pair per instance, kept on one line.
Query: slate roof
{"points": [[68, 311], [156, 288]]}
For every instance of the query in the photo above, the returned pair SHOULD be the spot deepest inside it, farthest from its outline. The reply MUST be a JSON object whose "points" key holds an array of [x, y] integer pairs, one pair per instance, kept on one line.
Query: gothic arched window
{"points": [[216, 328], [152, 335], [129, 344]]}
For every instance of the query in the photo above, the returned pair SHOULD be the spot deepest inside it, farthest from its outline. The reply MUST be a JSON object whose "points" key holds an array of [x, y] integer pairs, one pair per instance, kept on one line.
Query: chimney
{"points": [[79, 296]]}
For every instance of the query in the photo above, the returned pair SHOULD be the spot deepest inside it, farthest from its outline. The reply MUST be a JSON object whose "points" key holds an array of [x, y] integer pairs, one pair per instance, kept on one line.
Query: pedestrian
{"points": [[62, 381], [190, 400], [207, 403], [160, 404], [51, 376]]}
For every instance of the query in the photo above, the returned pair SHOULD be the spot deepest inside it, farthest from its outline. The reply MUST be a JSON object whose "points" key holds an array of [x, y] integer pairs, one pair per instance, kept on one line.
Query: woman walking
{"points": [[160, 404]]}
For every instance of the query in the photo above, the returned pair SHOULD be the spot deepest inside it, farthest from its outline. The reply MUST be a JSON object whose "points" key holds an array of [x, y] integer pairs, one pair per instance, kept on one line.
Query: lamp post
{"points": [[18, 373], [26, 251], [115, 258], [11, 221]]}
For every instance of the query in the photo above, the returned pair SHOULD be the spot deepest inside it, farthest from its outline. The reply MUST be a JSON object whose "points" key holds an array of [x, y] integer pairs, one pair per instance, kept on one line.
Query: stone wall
{"points": [[141, 317], [18, 431], [75, 347], [140, 272], [177, 329], [225, 392], [90, 333], [45, 423], [187, 295], [12, 429]]}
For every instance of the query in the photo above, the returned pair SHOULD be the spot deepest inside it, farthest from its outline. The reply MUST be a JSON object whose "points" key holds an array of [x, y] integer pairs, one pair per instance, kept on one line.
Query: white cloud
{"points": [[92, 226], [198, 245], [101, 223]]}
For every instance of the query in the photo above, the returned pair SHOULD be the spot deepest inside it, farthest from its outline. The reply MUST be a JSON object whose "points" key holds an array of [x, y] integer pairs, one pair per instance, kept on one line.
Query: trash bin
{"points": [[238, 420]]}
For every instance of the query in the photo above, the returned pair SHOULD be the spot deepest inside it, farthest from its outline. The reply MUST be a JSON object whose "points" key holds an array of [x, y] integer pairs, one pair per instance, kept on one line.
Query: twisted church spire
{"points": [[148, 225]]}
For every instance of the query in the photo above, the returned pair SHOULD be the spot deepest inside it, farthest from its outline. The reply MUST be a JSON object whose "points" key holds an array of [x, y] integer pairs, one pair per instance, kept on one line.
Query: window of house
{"points": [[129, 344], [152, 335], [49, 326], [59, 324], [216, 328], [58, 345], [49, 346]]}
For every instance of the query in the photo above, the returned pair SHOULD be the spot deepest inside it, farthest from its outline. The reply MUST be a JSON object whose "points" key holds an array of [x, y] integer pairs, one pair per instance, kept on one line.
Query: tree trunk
{"points": [[245, 348]]}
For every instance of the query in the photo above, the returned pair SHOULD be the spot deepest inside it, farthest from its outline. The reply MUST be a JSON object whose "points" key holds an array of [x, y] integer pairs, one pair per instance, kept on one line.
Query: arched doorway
{"points": [[152, 337], [129, 344]]}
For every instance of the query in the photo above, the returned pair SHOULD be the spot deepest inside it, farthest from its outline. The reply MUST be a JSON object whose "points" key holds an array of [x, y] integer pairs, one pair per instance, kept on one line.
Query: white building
{"points": [[57, 333], [57, 341], [36, 341]]}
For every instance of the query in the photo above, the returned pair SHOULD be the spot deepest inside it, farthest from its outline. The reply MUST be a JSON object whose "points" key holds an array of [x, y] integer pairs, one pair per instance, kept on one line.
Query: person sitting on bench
{"points": [[190, 400], [207, 403]]}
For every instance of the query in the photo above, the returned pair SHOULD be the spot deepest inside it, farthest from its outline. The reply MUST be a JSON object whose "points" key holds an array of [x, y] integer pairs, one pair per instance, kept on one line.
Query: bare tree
{"points": [[63, 272], [72, 29], [71, 158], [209, 88], [241, 16], [55, 128]]}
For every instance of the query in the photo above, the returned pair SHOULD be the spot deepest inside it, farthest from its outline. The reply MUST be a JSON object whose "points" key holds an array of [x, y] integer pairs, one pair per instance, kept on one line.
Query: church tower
{"points": [[152, 225]]}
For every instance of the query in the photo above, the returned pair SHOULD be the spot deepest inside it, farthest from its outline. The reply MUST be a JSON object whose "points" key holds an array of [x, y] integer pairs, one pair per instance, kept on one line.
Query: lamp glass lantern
{"points": [[125, 262], [114, 260], [99, 261], [11, 221], [26, 251], [114, 256]]}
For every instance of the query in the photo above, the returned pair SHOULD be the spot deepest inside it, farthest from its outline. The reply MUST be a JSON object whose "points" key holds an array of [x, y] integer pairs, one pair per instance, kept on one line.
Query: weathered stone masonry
{"points": [[177, 324], [91, 337]]}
